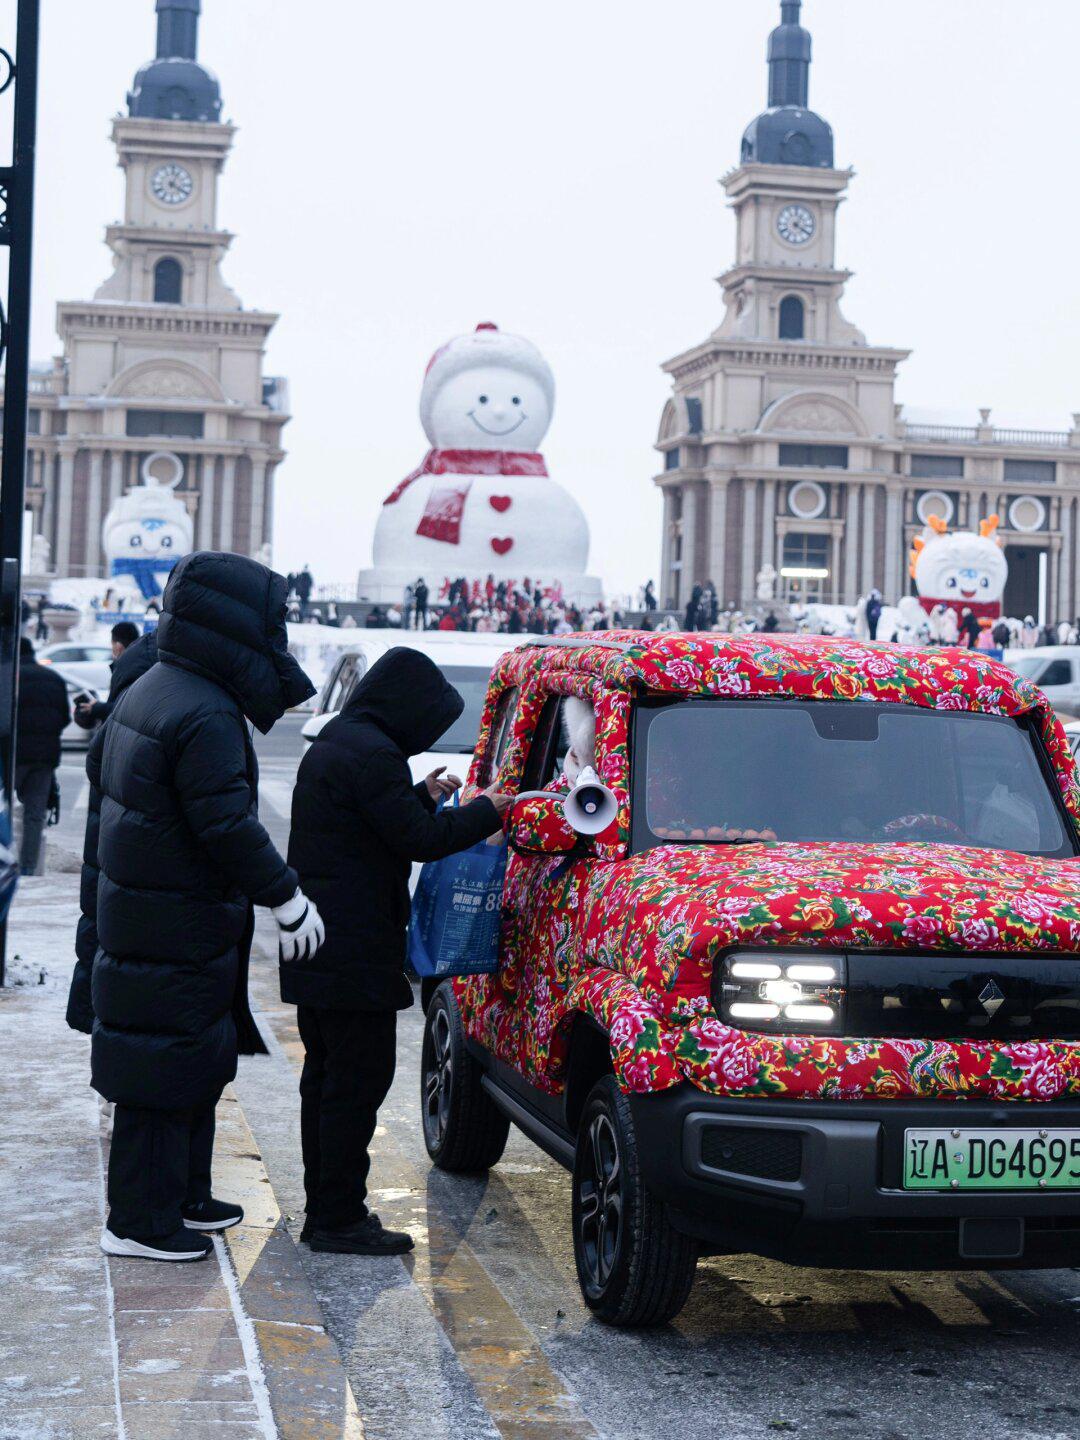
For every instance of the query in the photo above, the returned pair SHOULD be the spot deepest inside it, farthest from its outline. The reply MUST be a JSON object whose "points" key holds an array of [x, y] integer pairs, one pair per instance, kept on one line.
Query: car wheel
{"points": [[463, 1127], [633, 1267]]}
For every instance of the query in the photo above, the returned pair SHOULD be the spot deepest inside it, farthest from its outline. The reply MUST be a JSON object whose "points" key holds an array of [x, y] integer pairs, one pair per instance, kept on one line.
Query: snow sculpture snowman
{"points": [[147, 530], [481, 502], [961, 570]]}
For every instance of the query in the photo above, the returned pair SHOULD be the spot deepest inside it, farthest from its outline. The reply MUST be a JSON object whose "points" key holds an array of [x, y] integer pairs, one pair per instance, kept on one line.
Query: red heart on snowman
{"points": [[501, 547], [500, 502]]}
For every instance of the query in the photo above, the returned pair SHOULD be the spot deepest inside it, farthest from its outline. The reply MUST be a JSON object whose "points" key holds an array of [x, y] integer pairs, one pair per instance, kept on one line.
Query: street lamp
{"points": [[19, 78]]}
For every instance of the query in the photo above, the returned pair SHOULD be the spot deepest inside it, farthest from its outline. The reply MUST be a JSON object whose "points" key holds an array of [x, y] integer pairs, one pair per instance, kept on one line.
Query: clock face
{"points": [[171, 184], [795, 224]]}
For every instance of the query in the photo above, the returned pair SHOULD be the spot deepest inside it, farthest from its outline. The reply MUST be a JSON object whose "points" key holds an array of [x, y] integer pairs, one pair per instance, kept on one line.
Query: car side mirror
{"points": [[538, 827]]}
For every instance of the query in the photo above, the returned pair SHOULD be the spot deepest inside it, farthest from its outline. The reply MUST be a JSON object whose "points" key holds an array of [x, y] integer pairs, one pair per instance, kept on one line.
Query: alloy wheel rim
{"points": [[600, 1202], [438, 1077]]}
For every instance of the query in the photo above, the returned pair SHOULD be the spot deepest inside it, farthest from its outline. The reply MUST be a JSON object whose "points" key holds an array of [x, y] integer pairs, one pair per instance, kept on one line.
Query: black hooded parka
{"points": [[181, 851], [136, 660], [358, 823]]}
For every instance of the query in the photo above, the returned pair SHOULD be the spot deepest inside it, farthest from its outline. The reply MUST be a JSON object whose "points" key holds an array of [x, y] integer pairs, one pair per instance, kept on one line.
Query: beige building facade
{"points": [[782, 442], [164, 357]]}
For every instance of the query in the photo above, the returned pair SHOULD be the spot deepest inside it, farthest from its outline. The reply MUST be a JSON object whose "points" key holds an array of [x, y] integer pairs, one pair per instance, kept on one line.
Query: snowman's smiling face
{"points": [[147, 540], [490, 408]]}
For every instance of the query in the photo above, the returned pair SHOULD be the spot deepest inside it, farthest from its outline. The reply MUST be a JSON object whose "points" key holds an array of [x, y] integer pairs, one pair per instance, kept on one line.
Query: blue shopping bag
{"points": [[456, 912]]}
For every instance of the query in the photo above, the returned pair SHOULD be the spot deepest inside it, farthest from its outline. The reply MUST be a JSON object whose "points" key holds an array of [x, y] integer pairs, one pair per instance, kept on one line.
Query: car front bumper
{"points": [[821, 1182]]}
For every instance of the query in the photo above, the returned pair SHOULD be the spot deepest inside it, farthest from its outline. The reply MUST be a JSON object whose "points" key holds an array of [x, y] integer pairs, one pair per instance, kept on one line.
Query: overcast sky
{"points": [[404, 171]]}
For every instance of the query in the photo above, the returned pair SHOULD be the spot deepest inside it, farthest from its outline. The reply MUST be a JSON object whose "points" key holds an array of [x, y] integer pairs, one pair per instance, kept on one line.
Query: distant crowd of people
{"points": [[494, 607]]}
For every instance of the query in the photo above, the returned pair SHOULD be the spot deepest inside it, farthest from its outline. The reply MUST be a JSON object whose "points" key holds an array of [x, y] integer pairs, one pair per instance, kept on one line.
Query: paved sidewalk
{"points": [[93, 1347]]}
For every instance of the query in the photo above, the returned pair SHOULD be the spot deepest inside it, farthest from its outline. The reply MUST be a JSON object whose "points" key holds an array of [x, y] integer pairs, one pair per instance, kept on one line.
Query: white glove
{"points": [[300, 928]]}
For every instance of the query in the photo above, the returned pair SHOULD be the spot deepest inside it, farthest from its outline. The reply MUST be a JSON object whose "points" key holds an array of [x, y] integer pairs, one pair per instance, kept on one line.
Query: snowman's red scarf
{"points": [[441, 519]]}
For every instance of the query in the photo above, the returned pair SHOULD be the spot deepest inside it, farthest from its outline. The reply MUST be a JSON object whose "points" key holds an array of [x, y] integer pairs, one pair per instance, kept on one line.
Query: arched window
{"points": [[792, 318], [168, 282]]}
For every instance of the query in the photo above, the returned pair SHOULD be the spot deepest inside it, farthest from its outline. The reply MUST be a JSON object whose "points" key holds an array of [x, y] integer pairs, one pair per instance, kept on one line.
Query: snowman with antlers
{"points": [[482, 502]]}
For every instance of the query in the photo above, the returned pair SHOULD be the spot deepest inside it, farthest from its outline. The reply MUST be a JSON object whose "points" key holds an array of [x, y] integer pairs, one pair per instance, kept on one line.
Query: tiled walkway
{"points": [[232, 1347]]}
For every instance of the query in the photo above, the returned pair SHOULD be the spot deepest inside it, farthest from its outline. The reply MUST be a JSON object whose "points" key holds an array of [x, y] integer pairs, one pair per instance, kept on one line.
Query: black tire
{"points": [[464, 1130], [633, 1267]]}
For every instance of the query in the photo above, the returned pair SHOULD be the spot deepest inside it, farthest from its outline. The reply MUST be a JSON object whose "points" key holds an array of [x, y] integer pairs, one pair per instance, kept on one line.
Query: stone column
{"points": [[665, 586], [718, 537], [851, 545], [868, 578], [48, 501], [1067, 561], [64, 502], [687, 577], [94, 513], [258, 504], [768, 524], [891, 584], [204, 539], [749, 545], [228, 495]]}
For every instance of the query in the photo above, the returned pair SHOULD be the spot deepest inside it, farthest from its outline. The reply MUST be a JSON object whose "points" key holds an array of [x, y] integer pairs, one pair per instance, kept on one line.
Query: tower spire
{"points": [[789, 59], [178, 29]]}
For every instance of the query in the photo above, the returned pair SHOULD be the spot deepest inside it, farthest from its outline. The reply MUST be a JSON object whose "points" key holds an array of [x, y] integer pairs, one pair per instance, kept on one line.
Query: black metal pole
{"points": [[17, 234]]}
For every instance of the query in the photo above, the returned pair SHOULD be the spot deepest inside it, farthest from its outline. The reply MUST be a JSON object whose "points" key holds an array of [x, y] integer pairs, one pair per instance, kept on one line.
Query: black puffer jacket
{"points": [[43, 711], [357, 824], [181, 850], [134, 662]]}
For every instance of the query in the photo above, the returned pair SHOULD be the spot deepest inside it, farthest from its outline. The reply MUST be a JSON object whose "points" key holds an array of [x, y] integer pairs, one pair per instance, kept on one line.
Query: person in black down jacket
{"points": [[44, 713], [129, 665], [182, 858], [358, 822]]}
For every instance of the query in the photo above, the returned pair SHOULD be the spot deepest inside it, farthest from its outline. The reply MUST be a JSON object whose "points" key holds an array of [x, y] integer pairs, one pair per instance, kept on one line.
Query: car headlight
{"points": [[782, 990]]}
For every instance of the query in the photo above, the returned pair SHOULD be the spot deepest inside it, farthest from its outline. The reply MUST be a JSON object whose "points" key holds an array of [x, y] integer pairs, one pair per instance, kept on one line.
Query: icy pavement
{"points": [[96, 1347], [480, 1333]]}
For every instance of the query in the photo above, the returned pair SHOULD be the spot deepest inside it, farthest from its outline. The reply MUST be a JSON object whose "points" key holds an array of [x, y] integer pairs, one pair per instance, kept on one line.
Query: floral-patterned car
{"points": [[814, 992]]}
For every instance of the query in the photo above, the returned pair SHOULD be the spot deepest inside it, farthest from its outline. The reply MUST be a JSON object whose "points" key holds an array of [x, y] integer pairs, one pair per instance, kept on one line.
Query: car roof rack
{"points": [[579, 642]]}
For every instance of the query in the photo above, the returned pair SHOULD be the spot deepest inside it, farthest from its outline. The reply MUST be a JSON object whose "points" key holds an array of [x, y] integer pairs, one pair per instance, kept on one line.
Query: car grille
{"points": [[769, 1154], [972, 997]]}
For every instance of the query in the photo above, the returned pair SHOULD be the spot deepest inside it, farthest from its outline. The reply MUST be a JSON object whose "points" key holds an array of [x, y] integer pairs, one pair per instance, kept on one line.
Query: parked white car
{"points": [[84, 664], [1054, 668], [465, 659]]}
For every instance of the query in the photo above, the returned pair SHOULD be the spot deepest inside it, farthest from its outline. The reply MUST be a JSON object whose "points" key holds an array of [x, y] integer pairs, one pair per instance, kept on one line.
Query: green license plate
{"points": [[992, 1159]]}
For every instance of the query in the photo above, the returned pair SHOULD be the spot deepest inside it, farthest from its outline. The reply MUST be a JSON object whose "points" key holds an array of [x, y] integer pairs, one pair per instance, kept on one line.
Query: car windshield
{"points": [[471, 682], [725, 771]]}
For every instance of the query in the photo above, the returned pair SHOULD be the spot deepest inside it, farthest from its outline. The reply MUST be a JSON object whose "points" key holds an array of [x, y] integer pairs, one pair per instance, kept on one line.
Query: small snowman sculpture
{"points": [[147, 530], [481, 502]]}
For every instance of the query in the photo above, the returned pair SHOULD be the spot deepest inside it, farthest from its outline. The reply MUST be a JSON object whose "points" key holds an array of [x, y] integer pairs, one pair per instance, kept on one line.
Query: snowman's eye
{"points": [[135, 542], [483, 399], [166, 542], [517, 400], [950, 583]]}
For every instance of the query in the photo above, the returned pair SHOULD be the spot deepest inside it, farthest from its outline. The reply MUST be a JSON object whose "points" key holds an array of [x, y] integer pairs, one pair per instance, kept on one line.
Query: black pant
{"points": [[349, 1063], [32, 785], [158, 1161]]}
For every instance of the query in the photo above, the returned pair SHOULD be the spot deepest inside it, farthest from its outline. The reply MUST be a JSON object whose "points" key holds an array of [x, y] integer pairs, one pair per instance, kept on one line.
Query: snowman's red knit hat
{"points": [[487, 345]]}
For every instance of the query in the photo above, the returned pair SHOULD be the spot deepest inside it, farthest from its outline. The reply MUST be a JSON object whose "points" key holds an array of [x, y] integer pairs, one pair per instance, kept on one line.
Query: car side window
{"points": [[68, 656], [355, 675], [1058, 672], [502, 727], [338, 687], [547, 739]]}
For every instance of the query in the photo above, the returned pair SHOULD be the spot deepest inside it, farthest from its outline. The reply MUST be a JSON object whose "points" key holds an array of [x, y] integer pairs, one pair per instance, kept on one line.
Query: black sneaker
{"points": [[179, 1246], [211, 1215], [366, 1237], [307, 1231]]}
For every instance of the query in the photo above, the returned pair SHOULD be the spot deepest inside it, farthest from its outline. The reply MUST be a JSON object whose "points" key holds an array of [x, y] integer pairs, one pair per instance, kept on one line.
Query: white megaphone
{"points": [[591, 806]]}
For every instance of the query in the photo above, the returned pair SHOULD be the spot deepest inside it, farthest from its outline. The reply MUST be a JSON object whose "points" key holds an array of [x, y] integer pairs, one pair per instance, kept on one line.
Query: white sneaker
{"points": [[182, 1244]]}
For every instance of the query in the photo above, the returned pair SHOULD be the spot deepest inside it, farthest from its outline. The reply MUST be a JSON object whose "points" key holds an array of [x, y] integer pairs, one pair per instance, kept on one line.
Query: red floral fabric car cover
{"points": [[631, 940]]}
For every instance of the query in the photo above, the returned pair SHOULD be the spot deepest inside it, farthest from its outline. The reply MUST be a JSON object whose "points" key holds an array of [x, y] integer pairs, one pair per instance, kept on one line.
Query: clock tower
{"points": [[164, 366], [780, 436]]}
